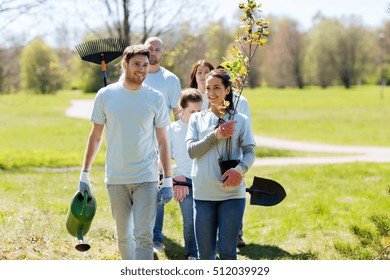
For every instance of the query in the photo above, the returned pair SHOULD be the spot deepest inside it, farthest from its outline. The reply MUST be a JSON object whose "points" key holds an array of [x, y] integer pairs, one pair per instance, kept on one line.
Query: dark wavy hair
{"points": [[193, 83], [222, 74]]}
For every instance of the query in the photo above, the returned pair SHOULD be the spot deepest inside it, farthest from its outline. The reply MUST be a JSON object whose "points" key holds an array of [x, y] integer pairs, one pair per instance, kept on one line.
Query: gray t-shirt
{"points": [[206, 175], [130, 118]]}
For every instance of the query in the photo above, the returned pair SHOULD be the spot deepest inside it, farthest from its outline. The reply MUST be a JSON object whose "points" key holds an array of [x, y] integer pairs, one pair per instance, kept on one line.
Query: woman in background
{"points": [[198, 78]]}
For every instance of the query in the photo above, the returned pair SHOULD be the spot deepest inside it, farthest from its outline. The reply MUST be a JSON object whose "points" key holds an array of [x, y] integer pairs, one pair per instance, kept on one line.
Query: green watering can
{"points": [[79, 218]]}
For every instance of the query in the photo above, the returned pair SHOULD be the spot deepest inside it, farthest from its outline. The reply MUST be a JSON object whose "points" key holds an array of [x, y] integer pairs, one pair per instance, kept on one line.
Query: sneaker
{"points": [[192, 258], [240, 241], [158, 247]]}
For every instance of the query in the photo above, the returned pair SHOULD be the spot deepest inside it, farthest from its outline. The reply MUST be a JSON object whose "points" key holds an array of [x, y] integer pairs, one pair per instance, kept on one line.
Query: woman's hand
{"points": [[233, 178], [225, 130], [179, 191]]}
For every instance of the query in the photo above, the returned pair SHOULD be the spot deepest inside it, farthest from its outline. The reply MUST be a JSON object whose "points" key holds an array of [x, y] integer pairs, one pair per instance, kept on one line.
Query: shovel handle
{"points": [[181, 183], [258, 191]]}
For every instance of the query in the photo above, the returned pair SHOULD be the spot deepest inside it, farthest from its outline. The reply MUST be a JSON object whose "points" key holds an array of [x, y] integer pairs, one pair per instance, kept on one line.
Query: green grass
{"points": [[35, 132], [331, 211], [358, 116], [322, 205]]}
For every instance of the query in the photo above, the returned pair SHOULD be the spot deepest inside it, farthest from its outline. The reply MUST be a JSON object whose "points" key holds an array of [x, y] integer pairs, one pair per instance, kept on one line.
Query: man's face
{"points": [[156, 52], [137, 69]]}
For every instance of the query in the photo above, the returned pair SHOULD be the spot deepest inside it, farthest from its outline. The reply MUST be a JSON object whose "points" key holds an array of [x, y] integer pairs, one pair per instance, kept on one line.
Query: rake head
{"points": [[110, 48]]}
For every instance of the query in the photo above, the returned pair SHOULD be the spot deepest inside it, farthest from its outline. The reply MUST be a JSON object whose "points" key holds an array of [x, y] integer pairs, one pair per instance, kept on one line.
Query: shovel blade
{"points": [[266, 192]]}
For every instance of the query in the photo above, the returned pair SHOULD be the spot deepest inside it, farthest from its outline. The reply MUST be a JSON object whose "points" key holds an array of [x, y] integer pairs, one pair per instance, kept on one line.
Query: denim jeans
{"points": [[224, 217], [158, 225], [187, 212], [134, 202]]}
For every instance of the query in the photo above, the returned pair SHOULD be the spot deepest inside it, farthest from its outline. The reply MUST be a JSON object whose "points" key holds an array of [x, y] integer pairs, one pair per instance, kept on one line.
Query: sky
{"points": [[372, 12]]}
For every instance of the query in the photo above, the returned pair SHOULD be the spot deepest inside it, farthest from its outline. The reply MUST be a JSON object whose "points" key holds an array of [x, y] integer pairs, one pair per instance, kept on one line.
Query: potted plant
{"points": [[253, 33]]}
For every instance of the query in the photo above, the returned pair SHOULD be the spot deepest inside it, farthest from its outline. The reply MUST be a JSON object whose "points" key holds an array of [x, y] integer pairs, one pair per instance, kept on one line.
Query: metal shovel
{"points": [[263, 192], [266, 192]]}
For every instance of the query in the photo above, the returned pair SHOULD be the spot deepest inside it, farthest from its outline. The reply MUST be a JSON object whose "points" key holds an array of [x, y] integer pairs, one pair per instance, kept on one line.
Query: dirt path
{"points": [[83, 108]]}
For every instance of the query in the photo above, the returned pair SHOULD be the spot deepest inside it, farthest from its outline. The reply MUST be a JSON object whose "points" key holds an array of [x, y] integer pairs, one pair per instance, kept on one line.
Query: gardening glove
{"points": [[226, 130], [179, 191], [233, 177], [85, 184], [165, 193]]}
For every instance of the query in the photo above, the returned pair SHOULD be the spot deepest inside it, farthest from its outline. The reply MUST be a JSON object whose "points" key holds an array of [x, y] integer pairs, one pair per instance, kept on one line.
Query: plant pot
{"points": [[225, 165]]}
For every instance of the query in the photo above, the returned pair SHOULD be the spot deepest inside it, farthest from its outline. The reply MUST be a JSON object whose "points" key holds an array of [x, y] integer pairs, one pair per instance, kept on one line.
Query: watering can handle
{"points": [[85, 201]]}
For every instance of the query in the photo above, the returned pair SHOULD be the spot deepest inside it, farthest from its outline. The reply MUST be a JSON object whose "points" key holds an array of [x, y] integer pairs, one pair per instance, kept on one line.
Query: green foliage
{"points": [[254, 33], [40, 71], [374, 243], [382, 223]]}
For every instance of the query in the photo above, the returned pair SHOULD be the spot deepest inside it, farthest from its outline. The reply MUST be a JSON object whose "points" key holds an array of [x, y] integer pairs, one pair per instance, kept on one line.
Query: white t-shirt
{"points": [[168, 84], [206, 175], [130, 118], [177, 132]]}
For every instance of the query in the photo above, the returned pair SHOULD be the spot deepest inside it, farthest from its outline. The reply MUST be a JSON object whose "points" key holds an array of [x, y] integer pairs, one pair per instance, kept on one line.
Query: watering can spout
{"points": [[79, 218]]}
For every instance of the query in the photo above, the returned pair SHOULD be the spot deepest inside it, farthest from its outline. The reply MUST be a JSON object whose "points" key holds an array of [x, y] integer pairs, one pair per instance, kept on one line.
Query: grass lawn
{"points": [[331, 211], [323, 203], [358, 116]]}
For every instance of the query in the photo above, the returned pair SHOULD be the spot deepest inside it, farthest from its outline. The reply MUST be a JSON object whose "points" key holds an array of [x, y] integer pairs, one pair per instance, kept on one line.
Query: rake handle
{"points": [[104, 74]]}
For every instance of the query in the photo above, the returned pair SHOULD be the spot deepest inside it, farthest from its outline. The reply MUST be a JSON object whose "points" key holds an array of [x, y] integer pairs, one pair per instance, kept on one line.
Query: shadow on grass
{"points": [[175, 251], [268, 252]]}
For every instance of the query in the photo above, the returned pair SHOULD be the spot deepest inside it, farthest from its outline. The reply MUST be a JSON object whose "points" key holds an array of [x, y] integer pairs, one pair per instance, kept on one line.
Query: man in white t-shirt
{"points": [[135, 116], [168, 84]]}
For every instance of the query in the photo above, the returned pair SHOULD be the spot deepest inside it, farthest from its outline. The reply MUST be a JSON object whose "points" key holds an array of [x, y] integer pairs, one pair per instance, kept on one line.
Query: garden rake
{"points": [[101, 51]]}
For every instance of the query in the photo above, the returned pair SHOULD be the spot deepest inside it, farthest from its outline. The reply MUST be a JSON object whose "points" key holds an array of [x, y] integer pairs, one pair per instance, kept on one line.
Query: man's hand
{"points": [[179, 191], [85, 184], [165, 193]]}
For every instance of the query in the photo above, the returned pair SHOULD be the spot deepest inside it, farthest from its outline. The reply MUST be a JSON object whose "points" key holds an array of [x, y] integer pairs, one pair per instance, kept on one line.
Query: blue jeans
{"points": [[224, 217], [158, 225], [187, 212]]}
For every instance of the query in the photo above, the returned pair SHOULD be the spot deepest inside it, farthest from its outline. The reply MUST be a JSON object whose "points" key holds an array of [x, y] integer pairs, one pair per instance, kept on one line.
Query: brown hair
{"points": [[189, 95], [133, 50], [193, 83]]}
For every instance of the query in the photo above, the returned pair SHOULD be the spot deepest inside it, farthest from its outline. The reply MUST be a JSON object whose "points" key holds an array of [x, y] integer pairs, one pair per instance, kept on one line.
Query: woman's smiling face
{"points": [[201, 73], [216, 91]]}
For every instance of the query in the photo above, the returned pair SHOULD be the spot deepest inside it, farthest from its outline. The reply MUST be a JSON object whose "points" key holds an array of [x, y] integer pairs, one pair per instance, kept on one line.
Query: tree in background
{"points": [[16, 8], [135, 21], [319, 59], [349, 52], [384, 49], [183, 49], [40, 71], [284, 59]]}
